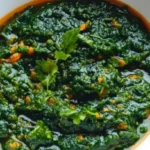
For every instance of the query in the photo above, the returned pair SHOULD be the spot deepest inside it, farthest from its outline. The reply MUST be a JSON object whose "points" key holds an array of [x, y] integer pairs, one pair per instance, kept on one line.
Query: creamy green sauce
{"points": [[74, 76]]}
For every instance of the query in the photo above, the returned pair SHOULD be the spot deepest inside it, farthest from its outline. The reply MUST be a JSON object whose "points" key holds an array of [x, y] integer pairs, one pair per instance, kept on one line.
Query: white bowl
{"points": [[141, 6]]}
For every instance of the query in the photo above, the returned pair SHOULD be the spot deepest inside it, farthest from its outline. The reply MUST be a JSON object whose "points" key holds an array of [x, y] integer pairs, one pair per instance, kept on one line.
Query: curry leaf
{"points": [[59, 55], [46, 71]]}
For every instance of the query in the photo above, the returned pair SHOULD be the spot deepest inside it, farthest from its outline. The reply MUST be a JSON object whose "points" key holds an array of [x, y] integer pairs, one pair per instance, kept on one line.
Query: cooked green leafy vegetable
{"points": [[74, 76]]}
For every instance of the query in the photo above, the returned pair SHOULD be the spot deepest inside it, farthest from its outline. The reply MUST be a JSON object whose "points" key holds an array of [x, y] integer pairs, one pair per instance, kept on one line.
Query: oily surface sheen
{"points": [[73, 76]]}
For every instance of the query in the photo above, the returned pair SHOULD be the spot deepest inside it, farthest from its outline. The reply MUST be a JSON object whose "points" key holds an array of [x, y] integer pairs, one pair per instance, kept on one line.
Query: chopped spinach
{"points": [[73, 76]]}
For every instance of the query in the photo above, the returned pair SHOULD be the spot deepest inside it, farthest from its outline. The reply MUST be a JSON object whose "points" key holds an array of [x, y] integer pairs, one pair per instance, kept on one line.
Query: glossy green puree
{"points": [[74, 76]]}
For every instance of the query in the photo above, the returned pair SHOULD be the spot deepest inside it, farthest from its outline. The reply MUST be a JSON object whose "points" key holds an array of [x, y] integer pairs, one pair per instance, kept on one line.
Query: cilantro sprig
{"points": [[46, 69], [68, 45]]}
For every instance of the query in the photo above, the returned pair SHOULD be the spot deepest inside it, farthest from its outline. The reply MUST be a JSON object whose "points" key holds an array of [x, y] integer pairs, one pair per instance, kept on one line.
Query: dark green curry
{"points": [[73, 76]]}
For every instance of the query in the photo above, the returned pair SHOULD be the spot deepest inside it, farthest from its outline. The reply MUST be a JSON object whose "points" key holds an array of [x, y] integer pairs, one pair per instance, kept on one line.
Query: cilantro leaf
{"points": [[50, 78], [75, 115], [39, 135], [68, 112], [40, 130], [68, 45], [46, 71], [78, 118], [69, 40], [59, 55]]}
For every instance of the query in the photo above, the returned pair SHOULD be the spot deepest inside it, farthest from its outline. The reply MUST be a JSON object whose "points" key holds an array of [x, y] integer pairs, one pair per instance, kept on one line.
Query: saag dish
{"points": [[73, 76]]}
